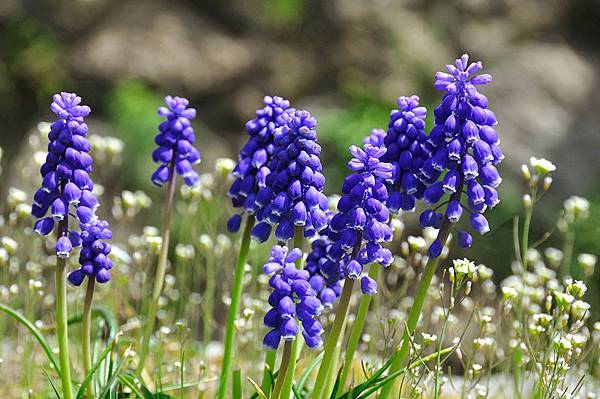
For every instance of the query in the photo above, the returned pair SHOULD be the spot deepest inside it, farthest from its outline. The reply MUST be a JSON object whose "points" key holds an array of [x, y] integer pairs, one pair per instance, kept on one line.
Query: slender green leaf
{"points": [[259, 392], [309, 370], [52, 384], [237, 384], [128, 380], [35, 332], [88, 377], [114, 376]]}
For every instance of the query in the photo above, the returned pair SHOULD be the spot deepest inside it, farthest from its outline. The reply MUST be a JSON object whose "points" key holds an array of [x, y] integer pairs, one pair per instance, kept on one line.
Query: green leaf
{"points": [[35, 332], [308, 370], [113, 377], [88, 377], [257, 388]]}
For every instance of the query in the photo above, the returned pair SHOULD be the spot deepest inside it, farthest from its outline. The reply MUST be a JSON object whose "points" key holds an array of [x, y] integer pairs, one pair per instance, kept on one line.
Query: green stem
{"points": [[333, 370], [236, 299], [419, 300], [286, 389], [62, 334], [267, 380], [237, 384], [285, 361], [86, 333], [161, 269], [357, 329], [566, 267], [525, 236], [333, 338]]}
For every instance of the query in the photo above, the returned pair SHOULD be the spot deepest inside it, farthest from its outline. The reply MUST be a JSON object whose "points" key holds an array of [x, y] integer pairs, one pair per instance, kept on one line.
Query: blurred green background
{"points": [[344, 60]]}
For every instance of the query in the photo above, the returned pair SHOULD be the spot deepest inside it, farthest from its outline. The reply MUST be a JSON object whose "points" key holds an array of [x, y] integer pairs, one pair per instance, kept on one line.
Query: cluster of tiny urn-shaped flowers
{"points": [[66, 184], [293, 194], [176, 152], [293, 299]]}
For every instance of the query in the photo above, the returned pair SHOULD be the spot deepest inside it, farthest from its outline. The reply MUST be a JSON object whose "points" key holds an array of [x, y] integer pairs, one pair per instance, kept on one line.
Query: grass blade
{"points": [[259, 392], [35, 332], [95, 366]]}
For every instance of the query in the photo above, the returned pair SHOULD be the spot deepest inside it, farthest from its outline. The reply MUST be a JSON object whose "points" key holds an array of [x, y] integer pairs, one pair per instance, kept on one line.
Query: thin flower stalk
{"points": [[236, 299]]}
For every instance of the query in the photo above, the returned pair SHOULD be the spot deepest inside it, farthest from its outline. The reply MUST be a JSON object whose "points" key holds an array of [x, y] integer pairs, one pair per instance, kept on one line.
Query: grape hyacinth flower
{"points": [[176, 155], [252, 168], [293, 300], [293, 193], [93, 257], [376, 138], [362, 217], [328, 289], [465, 152], [66, 184], [357, 231], [465, 148], [406, 152], [175, 140], [66, 191]]}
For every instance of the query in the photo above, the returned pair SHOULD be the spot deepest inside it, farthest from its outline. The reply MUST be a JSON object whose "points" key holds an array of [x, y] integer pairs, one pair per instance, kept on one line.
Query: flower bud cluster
{"points": [[176, 152], [295, 305], [66, 185], [252, 169], [465, 150], [293, 191], [362, 218]]}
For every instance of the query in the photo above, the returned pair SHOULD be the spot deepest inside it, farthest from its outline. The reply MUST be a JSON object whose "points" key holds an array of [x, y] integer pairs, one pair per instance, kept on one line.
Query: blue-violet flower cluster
{"points": [[362, 217], [327, 288], [293, 193], [293, 300], [405, 151], [252, 168], [464, 144], [175, 140], [66, 185]]}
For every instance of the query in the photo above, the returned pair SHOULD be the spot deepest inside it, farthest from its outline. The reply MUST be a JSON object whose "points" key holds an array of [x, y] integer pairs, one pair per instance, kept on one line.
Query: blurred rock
{"points": [[165, 43]]}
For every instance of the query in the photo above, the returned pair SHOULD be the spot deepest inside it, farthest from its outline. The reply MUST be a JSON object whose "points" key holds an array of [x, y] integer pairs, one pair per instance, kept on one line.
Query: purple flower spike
{"points": [[176, 152], [360, 226], [292, 194], [405, 151], [294, 302], [255, 157], [465, 147], [67, 189]]}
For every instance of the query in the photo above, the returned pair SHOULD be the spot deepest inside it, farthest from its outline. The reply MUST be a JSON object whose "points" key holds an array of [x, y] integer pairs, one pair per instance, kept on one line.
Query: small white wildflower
{"points": [[509, 293], [428, 339], [577, 289], [224, 166], [579, 309], [541, 165], [205, 242], [587, 262], [416, 243]]}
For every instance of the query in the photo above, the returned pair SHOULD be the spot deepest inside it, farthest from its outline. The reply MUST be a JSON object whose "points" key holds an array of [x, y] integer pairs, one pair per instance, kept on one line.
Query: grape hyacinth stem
{"points": [[86, 332], [267, 381], [419, 300], [62, 334], [357, 328], [161, 269], [288, 381], [236, 299], [336, 329], [332, 339], [285, 361]]}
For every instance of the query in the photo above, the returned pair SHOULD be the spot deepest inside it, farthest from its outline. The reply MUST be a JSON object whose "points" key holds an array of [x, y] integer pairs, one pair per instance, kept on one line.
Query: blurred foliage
{"points": [[283, 12], [31, 54], [131, 109]]}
